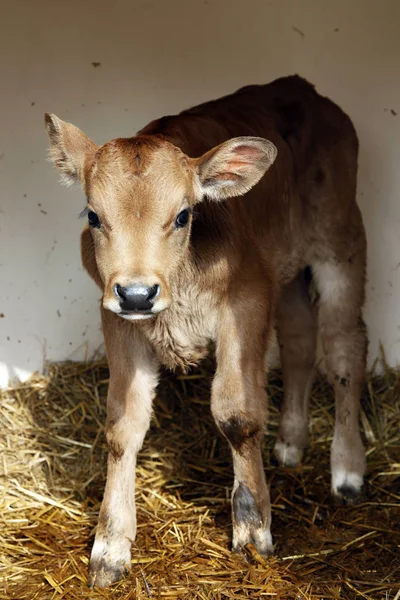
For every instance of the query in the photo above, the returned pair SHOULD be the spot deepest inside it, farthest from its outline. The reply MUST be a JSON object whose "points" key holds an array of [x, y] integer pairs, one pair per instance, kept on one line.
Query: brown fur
{"points": [[226, 278]]}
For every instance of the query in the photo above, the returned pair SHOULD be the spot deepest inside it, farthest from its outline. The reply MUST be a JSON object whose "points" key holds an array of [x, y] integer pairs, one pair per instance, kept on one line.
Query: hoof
{"points": [[261, 539], [347, 496], [109, 562], [288, 455], [346, 487], [249, 526], [102, 575]]}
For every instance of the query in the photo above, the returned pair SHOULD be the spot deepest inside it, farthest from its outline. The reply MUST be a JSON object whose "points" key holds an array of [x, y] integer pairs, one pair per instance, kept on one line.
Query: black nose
{"points": [[137, 297]]}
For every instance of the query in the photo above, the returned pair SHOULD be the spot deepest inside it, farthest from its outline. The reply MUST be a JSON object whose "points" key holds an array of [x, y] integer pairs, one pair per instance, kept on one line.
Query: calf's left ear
{"points": [[234, 167], [70, 149]]}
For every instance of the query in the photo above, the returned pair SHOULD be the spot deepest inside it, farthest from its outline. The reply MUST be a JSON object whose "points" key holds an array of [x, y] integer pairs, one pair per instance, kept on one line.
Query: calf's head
{"points": [[140, 196]]}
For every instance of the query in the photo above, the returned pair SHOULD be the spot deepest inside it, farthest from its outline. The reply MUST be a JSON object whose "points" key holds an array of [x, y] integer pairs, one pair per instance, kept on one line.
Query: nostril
{"points": [[153, 292], [136, 297], [119, 292]]}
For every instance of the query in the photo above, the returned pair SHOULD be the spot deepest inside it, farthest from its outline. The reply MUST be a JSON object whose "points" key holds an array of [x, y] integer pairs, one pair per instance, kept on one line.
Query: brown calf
{"points": [[183, 259]]}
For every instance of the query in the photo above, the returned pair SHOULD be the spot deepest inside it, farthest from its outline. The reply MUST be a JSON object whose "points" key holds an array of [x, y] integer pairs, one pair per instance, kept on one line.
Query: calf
{"points": [[183, 259]]}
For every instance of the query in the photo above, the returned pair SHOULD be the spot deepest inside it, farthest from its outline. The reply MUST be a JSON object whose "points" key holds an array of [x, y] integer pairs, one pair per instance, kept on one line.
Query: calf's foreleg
{"points": [[239, 407], [133, 378]]}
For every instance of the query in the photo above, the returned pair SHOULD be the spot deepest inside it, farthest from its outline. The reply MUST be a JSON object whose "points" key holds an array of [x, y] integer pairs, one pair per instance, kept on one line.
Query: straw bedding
{"points": [[53, 471]]}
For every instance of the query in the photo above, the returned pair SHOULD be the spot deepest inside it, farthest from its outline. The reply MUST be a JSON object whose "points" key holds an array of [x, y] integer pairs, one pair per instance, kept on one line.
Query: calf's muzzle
{"points": [[136, 298]]}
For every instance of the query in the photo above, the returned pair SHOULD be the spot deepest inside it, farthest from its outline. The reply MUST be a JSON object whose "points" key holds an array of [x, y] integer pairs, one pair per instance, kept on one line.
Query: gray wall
{"points": [[158, 57]]}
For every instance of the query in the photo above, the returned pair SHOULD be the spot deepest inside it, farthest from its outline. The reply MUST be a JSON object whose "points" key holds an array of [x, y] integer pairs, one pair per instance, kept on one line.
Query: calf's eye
{"points": [[182, 219], [93, 219]]}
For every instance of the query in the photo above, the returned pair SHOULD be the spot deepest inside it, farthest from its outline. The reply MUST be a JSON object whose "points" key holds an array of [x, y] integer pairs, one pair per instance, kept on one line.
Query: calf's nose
{"points": [[137, 297]]}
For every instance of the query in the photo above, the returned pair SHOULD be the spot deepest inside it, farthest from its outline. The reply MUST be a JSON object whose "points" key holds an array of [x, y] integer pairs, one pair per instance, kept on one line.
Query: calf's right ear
{"points": [[70, 149]]}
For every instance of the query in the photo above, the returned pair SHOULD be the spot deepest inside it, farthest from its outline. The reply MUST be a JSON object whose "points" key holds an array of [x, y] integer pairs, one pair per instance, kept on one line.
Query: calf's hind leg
{"points": [[297, 334], [344, 343]]}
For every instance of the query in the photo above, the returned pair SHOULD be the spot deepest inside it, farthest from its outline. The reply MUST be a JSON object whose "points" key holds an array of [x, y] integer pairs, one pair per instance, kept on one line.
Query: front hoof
{"points": [[109, 562], [249, 524], [102, 574], [260, 537]]}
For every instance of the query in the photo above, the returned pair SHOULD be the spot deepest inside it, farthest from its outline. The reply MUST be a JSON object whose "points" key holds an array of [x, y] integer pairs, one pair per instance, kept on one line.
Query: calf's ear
{"points": [[70, 149], [234, 167]]}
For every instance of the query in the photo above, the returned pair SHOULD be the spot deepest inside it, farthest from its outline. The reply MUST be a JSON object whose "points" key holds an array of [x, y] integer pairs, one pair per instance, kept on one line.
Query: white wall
{"points": [[158, 57]]}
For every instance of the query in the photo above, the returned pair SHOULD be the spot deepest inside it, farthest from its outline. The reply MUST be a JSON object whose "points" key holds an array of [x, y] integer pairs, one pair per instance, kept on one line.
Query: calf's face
{"points": [[140, 197]]}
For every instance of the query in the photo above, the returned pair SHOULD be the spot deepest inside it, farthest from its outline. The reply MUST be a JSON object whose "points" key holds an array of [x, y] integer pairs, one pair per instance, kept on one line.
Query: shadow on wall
{"points": [[11, 376], [376, 186]]}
